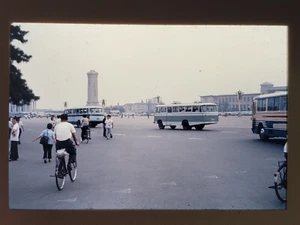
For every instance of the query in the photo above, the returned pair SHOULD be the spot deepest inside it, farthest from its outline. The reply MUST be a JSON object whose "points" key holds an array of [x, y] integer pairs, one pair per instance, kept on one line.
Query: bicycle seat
{"points": [[62, 152]]}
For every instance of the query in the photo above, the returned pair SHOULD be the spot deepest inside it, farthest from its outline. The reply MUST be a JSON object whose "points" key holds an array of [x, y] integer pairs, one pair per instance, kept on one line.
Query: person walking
{"points": [[47, 147], [109, 125], [52, 122], [14, 140], [104, 123]]}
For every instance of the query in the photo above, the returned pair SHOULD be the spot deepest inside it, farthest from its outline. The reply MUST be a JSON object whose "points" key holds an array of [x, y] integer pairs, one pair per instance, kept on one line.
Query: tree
{"points": [[19, 92]]}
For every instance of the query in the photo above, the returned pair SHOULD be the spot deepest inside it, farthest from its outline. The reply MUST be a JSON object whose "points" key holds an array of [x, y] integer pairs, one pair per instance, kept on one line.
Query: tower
{"points": [[92, 88]]}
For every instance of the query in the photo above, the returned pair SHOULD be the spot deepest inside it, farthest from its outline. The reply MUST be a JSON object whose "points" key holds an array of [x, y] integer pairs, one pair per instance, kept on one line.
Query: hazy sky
{"points": [[137, 62]]}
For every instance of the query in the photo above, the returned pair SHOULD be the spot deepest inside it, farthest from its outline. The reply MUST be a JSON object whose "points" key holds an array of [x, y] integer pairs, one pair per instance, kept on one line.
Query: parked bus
{"points": [[269, 115], [96, 114], [186, 115]]}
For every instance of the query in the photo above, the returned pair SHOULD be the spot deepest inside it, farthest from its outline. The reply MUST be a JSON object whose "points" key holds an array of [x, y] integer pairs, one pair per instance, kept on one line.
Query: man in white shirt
{"points": [[109, 124], [14, 140], [63, 132]]}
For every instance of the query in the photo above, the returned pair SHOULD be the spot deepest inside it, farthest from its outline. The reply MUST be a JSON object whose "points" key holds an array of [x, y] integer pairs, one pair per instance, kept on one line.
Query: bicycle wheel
{"points": [[281, 183], [60, 176], [87, 137], [72, 171]]}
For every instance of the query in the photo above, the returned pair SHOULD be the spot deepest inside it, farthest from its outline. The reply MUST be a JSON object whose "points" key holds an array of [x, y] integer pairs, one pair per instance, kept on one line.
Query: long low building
{"points": [[228, 103]]}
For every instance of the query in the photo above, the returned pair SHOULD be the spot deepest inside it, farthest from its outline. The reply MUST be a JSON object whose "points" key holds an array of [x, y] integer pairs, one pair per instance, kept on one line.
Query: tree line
{"points": [[19, 91]]}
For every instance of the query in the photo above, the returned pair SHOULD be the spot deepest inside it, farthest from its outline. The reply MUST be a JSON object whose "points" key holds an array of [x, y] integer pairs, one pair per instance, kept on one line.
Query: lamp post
{"points": [[239, 98]]}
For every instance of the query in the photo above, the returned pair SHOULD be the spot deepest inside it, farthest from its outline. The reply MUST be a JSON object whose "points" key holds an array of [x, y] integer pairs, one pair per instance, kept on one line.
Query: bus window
{"points": [[195, 108], [283, 103], [261, 105], [175, 109], [157, 110], [95, 110], [169, 109], [276, 104], [271, 104], [203, 108], [79, 111], [253, 107], [188, 109], [181, 109], [163, 109], [211, 108]]}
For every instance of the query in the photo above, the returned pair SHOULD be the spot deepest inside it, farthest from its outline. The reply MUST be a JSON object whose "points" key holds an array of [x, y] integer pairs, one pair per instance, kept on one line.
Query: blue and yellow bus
{"points": [[269, 115]]}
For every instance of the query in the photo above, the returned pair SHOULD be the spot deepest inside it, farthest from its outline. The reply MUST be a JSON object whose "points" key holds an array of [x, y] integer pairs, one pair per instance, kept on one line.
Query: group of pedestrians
{"points": [[56, 124], [58, 132], [108, 125]]}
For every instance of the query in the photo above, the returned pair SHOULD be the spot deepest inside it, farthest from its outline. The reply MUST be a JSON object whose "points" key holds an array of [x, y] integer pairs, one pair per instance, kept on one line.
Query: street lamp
{"points": [[239, 98]]}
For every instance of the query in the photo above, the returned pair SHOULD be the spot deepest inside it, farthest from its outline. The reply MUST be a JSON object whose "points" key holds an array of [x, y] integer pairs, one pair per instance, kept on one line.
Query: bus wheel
{"points": [[173, 127], [262, 134], [185, 125], [93, 125], [199, 127], [160, 125], [78, 123]]}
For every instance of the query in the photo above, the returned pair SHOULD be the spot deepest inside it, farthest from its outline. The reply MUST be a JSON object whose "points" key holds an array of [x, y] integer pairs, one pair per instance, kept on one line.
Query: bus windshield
{"points": [[95, 110], [269, 115]]}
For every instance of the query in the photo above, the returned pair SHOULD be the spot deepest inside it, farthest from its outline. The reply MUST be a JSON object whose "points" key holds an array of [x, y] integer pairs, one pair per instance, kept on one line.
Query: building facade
{"points": [[230, 103], [143, 107], [22, 108]]}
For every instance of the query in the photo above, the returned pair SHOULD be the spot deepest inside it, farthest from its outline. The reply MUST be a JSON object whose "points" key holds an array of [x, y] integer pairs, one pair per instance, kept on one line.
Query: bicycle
{"points": [[61, 169], [280, 181], [87, 135]]}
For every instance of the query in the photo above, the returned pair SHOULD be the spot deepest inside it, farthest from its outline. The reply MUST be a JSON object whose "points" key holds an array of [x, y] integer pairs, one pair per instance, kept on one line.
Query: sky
{"points": [[138, 62]]}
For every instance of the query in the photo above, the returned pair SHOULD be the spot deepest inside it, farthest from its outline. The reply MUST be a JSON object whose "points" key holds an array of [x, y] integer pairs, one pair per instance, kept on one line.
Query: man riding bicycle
{"points": [[84, 127], [63, 133]]}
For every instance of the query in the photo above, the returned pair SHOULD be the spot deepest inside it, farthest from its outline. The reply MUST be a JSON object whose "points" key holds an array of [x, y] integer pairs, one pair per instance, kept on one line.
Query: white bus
{"points": [[96, 114], [186, 115], [269, 115]]}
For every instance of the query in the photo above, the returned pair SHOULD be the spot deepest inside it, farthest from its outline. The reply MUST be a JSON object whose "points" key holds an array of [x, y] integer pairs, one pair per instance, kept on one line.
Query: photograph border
{"points": [[189, 12]]}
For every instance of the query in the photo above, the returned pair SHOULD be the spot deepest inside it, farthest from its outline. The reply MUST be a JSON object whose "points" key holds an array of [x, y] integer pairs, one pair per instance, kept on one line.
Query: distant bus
{"points": [[96, 114], [186, 116], [114, 112], [269, 115]]}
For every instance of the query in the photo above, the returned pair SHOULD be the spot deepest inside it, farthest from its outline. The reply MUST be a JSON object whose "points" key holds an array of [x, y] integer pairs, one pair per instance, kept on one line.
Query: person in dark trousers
{"points": [[47, 147], [21, 127], [14, 140], [63, 133], [84, 127], [104, 127]]}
